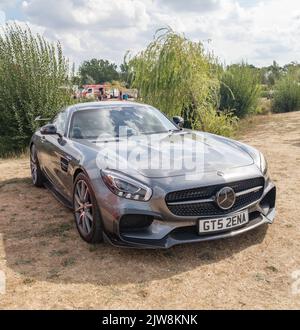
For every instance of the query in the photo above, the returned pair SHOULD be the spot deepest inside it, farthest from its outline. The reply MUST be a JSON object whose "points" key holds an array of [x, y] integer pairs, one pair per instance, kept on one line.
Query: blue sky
{"points": [[256, 31]]}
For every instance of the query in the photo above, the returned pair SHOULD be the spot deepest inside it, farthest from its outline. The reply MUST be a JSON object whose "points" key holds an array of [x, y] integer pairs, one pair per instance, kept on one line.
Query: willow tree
{"points": [[33, 81], [175, 75]]}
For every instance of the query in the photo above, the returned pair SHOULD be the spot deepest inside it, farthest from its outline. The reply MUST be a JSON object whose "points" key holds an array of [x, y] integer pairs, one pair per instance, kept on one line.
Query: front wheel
{"points": [[86, 212]]}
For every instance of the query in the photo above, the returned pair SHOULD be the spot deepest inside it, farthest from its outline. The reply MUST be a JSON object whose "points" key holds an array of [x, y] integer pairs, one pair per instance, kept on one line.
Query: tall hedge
{"points": [[33, 81], [240, 89], [286, 95]]}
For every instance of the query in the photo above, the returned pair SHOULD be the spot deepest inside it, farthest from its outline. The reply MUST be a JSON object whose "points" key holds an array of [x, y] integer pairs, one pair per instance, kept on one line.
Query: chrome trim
{"points": [[193, 202], [212, 199], [245, 192], [230, 213], [219, 193]]}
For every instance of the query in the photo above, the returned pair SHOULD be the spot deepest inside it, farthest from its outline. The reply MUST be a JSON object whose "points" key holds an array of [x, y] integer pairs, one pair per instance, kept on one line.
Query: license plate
{"points": [[222, 224]]}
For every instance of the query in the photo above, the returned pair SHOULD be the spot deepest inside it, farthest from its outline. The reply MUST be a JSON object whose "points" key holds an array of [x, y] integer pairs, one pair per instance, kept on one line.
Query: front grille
{"points": [[211, 208]]}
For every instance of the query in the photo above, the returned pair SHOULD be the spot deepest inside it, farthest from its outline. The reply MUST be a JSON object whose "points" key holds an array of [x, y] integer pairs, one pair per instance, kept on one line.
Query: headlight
{"points": [[263, 165], [126, 187]]}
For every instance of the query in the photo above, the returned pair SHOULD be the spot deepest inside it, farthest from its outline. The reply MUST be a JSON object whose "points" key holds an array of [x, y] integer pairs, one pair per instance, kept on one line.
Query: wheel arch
{"points": [[77, 172], [81, 170], [31, 144]]}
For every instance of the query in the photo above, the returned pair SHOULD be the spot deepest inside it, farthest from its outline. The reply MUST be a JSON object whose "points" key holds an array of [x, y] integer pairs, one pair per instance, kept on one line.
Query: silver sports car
{"points": [[135, 178]]}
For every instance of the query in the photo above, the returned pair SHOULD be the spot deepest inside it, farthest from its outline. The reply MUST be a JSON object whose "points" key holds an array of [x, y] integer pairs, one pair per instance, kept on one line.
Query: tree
{"points": [[125, 71], [34, 81], [271, 74], [287, 93], [175, 75], [75, 79], [98, 71]]}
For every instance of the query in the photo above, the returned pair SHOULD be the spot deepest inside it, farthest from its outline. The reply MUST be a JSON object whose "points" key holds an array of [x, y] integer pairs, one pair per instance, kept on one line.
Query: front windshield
{"points": [[118, 121]]}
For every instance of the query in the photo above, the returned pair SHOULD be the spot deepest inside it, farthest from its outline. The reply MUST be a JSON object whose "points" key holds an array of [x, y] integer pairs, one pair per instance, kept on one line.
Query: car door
{"points": [[45, 149], [59, 157]]}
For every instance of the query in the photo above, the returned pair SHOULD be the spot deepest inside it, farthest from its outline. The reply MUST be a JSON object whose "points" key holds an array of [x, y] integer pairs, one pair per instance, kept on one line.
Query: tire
{"points": [[86, 212], [36, 172]]}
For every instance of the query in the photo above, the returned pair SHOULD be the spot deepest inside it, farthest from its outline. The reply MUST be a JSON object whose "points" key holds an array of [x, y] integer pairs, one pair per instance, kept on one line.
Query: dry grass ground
{"points": [[48, 266]]}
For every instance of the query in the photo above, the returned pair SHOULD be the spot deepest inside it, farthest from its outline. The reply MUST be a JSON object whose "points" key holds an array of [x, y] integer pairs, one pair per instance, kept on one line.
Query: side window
{"points": [[60, 122]]}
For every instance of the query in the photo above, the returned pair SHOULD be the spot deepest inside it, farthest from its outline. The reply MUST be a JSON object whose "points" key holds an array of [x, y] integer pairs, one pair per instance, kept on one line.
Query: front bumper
{"points": [[166, 230]]}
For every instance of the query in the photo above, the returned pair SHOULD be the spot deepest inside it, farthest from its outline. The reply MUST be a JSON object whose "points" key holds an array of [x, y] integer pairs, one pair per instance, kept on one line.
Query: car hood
{"points": [[171, 154]]}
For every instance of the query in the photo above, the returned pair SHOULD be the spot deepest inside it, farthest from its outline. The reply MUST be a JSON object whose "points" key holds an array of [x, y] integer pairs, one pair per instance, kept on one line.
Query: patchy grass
{"points": [[69, 262], [254, 124], [58, 253], [272, 269], [24, 262], [264, 106], [55, 230]]}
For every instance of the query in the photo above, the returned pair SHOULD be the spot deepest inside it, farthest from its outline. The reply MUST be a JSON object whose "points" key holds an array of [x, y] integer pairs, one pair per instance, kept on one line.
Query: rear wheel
{"points": [[86, 211], [36, 173]]}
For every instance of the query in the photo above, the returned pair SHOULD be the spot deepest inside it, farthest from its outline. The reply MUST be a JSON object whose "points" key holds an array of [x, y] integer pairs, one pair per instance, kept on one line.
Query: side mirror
{"points": [[179, 121], [49, 129]]}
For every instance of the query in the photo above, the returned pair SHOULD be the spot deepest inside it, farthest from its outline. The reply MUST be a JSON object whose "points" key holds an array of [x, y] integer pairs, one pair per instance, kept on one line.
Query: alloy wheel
{"points": [[83, 207]]}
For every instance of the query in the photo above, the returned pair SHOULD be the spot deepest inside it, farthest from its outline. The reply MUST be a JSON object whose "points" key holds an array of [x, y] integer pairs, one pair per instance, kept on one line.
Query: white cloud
{"points": [[191, 5], [259, 33], [68, 14], [92, 27], [4, 4], [2, 17]]}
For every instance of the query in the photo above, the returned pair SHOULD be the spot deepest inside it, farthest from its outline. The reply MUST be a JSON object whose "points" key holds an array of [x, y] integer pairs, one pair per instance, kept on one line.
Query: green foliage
{"points": [[125, 72], [98, 71], [270, 74], [220, 123], [286, 94], [33, 80], [265, 94], [176, 76], [240, 90]]}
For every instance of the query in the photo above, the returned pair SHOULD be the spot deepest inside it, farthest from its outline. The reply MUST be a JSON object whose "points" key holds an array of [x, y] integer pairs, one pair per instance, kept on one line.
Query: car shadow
{"points": [[41, 243]]}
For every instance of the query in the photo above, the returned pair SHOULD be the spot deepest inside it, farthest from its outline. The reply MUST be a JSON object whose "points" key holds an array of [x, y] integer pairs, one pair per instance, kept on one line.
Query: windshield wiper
{"points": [[162, 132]]}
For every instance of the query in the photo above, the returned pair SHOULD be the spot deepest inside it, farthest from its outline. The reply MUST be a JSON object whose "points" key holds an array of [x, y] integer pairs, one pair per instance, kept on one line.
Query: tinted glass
{"points": [[118, 121]]}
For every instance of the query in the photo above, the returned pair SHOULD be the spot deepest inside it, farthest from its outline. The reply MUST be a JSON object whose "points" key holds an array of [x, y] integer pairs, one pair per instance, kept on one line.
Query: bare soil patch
{"points": [[48, 266]]}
